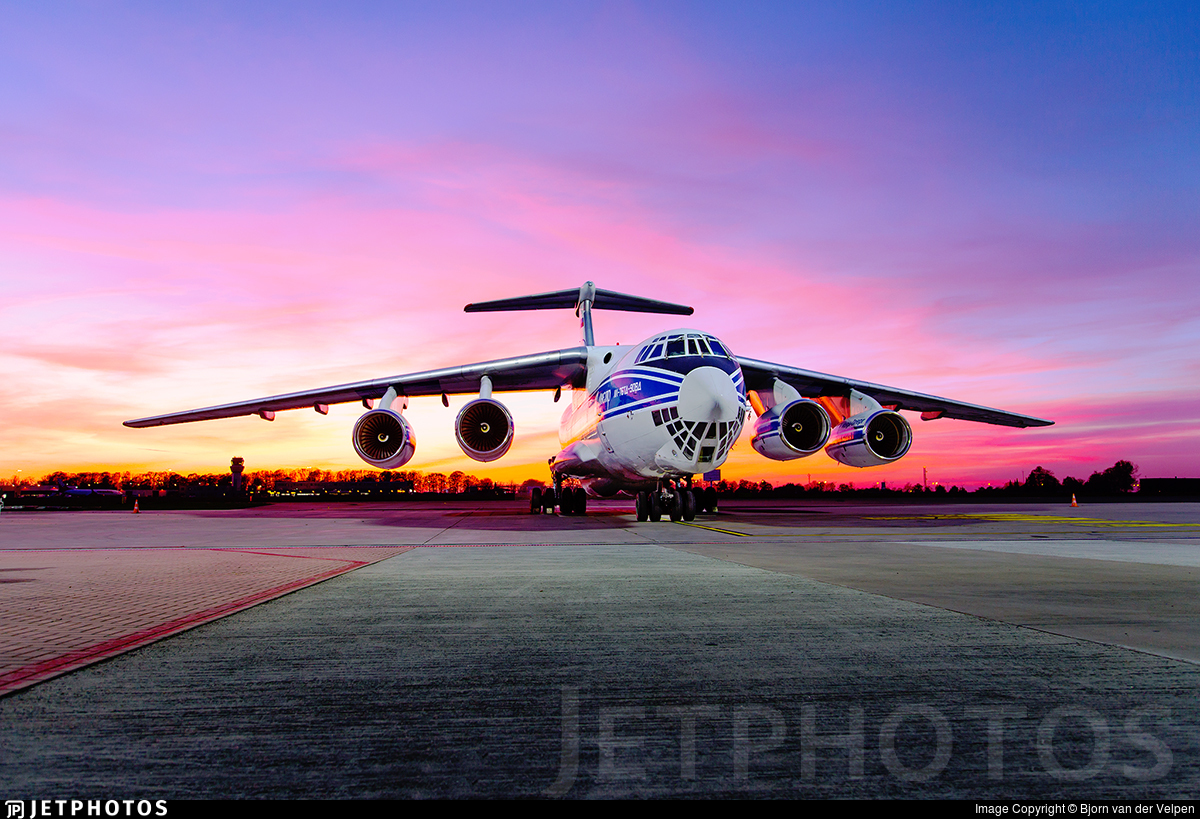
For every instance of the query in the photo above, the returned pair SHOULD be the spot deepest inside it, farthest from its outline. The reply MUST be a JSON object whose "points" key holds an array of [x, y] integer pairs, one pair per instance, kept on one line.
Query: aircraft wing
{"points": [[540, 371], [761, 375]]}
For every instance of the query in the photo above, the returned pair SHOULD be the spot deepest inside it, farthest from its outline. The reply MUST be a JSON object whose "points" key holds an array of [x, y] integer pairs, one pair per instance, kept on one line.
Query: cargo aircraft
{"points": [[643, 419]]}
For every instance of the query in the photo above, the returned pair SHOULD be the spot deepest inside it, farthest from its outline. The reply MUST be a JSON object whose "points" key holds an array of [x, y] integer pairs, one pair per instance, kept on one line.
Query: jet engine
{"points": [[384, 439], [484, 429], [870, 438], [791, 430]]}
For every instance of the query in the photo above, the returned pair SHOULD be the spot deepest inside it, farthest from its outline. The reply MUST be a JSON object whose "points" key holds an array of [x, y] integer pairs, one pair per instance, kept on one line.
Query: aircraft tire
{"points": [[656, 509], [580, 502], [548, 502], [641, 505], [689, 504], [566, 502], [710, 499], [573, 503], [676, 505], [535, 502]]}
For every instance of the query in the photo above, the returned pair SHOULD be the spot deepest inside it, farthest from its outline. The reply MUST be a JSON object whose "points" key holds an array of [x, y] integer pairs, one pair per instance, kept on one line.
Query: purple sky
{"points": [[997, 204]]}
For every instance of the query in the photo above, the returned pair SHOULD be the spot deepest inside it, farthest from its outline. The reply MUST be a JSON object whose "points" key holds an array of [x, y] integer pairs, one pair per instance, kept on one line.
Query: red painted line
{"points": [[140, 549], [36, 672]]}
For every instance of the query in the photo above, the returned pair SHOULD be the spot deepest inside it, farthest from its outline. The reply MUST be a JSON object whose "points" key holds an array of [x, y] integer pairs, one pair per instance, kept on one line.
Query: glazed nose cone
{"points": [[708, 394]]}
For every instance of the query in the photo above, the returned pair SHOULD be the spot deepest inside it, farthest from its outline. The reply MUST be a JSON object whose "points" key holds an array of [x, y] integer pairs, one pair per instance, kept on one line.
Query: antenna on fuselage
{"points": [[582, 301]]}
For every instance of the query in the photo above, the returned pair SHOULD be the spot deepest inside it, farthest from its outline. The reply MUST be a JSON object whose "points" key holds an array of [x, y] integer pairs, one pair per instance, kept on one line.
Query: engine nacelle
{"points": [[792, 430], [484, 429], [871, 438], [384, 439]]}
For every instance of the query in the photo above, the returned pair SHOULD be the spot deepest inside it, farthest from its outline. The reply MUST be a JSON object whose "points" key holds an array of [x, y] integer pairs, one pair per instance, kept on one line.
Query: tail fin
{"points": [[582, 301]]}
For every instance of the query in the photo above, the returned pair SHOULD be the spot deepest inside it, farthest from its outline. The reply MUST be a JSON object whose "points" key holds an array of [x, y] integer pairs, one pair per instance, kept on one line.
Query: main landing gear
{"points": [[678, 501], [570, 501]]}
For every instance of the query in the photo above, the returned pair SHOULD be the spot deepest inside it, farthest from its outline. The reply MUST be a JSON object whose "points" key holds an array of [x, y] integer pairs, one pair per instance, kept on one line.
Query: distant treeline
{"points": [[1120, 479], [262, 481]]}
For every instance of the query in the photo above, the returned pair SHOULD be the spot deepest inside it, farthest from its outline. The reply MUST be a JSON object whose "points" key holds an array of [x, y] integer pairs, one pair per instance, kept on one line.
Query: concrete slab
{"points": [[654, 664], [66, 608]]}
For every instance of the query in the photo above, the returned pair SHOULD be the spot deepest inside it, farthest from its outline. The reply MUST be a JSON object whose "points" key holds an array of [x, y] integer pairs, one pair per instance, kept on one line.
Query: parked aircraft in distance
{"points": [[643, 419]]}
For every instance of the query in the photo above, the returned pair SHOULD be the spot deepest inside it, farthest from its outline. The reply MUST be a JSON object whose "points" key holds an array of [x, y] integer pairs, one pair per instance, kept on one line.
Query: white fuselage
{"points": [[669, 407]]}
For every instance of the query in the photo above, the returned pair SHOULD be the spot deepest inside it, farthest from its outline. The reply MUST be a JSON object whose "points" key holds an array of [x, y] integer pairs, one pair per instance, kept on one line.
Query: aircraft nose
{"points": [[708, 394]]}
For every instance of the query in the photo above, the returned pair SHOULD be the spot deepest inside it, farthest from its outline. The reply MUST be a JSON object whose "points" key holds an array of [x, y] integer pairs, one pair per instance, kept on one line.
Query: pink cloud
{"points": [[223, 304]]}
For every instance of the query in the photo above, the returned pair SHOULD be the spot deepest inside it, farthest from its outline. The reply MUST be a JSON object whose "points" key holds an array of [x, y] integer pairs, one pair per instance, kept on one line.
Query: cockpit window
{"points": [[683, 345]]}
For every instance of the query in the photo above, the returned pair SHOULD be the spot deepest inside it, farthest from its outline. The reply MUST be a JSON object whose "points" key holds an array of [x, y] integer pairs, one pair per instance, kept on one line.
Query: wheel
{"points": [[548, 502], [710, 499], [641, 505], [535, 502], [676, 505], [566, 503], [580, 502], [656, 507], [689, 505]]}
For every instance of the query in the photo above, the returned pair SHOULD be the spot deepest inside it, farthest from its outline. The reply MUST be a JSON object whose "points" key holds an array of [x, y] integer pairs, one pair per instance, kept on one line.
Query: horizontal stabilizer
{"points": [[571, 299], [608, 300]]}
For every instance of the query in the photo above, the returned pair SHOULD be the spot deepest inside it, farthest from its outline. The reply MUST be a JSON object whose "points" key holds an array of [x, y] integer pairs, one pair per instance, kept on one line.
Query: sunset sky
{"points": [[202, 203]]}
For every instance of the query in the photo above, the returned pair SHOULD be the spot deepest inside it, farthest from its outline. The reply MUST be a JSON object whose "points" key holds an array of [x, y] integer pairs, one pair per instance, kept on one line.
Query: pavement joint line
{"points": [[569, 545], [490, 545], [277, 554]]}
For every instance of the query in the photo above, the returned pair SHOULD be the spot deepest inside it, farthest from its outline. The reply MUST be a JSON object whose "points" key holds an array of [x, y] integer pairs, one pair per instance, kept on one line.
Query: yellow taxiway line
{"points": [[1009, 517], [712, 528]]}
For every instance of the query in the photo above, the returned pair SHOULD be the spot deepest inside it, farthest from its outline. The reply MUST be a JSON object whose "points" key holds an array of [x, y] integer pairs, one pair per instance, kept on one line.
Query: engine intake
{"points": [[384, 439], [793, 430], [484, 429], [870, 439]]}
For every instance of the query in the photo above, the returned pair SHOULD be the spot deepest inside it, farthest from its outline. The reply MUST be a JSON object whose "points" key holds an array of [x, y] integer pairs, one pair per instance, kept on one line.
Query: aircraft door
{"points": [[604, 438]]}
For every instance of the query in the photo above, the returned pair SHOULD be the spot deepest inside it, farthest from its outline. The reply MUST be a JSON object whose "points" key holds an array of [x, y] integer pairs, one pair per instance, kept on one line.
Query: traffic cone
{"points": [[136, 511], [1074, 502]]}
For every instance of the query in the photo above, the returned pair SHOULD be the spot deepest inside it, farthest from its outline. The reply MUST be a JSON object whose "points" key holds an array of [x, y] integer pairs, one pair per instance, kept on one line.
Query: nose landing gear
{"points": [[677, 501]]}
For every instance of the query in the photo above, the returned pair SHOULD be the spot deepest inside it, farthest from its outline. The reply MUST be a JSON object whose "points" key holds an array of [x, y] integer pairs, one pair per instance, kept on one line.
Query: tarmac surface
{"points": [[460, 650]]}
